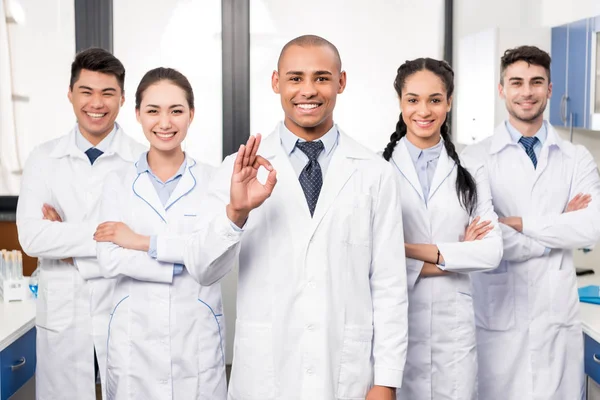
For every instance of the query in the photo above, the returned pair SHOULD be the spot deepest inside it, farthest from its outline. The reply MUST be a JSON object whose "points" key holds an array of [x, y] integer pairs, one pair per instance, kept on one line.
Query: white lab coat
{"points": [[527, 313], [321, 302], [442, 360], [72, 311], [166, 334]]}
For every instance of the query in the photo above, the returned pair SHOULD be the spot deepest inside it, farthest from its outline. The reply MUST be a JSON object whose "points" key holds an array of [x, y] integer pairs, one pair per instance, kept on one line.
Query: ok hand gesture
{"points": [[246, 192]]}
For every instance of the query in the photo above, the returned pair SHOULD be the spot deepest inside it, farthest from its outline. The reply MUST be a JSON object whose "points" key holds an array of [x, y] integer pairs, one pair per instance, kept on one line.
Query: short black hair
{"points": [[530, 54], [97, 60], [308, 41]]}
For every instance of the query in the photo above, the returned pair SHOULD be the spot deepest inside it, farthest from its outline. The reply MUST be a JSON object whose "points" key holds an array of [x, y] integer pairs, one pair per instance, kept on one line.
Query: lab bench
{"points": [[17, 345], [590, 318]]}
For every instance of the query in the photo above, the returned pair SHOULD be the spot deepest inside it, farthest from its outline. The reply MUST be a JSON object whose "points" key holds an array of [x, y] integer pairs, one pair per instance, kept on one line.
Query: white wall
{"points": [[180, 34], [42, 51]]}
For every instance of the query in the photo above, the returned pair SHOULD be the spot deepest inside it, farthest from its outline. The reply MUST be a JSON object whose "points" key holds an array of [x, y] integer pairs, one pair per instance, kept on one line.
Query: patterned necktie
{"points": [[529, 143], [311, 177], [93, 153]]}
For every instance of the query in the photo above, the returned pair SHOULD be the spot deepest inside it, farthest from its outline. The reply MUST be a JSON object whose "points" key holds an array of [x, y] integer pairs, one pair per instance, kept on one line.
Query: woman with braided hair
{"points": [[450, 230]]}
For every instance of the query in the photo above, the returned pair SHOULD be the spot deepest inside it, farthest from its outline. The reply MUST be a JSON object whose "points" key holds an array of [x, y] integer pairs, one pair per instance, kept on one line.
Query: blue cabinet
{"points": [[17, 364], [571, 72]]}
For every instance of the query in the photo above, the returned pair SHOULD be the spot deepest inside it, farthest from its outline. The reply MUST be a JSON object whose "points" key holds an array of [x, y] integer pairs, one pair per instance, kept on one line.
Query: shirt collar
{"points": [[142, 166], [84, 145], [428, 154], [289, 139], [515, 135]]}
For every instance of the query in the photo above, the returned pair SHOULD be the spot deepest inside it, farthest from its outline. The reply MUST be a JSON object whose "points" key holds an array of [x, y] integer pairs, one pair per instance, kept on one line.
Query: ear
{"points": [[342, 82], [275, 81], [191, 116], [122, 100], [70, 95], [501, 91], [137, 115], [450, 103], [550, 90]]}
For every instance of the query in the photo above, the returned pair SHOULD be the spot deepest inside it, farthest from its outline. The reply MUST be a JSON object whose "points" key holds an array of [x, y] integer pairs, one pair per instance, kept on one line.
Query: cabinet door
{"points": [[578, 82], [558, 72]]}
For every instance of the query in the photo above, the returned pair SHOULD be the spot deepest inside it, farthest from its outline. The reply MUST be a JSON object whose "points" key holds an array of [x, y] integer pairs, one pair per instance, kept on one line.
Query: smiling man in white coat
{"points": [[57, 215], [322, 296], [546, 192]]}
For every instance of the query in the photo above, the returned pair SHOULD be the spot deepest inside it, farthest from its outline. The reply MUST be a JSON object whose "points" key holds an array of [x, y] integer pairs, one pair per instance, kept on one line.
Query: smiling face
{"points": [[165, 116], [424, 105], [308, 81], [96, 98], [525, 89]]}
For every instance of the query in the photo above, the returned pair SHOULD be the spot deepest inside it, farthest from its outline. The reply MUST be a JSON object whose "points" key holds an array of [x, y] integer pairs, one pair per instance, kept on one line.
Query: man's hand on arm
{"points": [[381, 393], [50, 214]]}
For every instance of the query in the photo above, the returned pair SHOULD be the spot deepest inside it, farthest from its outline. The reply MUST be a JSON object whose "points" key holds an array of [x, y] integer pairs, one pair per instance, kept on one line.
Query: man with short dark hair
{"points": [[57, 216], [546, 192], [322, 296]]}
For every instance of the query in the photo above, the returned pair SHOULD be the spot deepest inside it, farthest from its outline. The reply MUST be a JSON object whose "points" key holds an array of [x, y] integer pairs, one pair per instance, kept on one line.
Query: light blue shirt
{"points": [[164, 191], [541, 134], [84, 145], [425, 162], [297, 156]]}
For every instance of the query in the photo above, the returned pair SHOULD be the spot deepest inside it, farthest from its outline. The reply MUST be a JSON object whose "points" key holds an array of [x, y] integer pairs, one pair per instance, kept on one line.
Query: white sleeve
{"points": [[42, 238], [212, 250], [572, 230], [477, 255], [519, 247], [115, 260], [388, 284]]}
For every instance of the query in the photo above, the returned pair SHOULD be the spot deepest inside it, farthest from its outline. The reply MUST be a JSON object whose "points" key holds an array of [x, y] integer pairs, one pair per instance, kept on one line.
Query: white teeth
{"points": [[308, 106], [423, 123], [164, 135], [96, 115]]}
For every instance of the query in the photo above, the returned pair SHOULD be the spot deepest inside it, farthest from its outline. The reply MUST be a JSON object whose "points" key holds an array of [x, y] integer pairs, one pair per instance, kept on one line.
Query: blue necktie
{"points": [[311, 177], [93, 153], [529, 143]]}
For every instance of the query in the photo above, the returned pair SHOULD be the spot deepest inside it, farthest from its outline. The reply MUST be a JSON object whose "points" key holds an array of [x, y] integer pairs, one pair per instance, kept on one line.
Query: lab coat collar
{"points": [[271, 146], [502, 139], [402, 161], [143, 188], [341, 168], [122, 145]]}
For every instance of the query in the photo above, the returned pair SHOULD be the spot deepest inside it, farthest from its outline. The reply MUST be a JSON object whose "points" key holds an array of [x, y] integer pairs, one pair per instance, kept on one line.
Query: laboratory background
{"points": [[228, 50]]}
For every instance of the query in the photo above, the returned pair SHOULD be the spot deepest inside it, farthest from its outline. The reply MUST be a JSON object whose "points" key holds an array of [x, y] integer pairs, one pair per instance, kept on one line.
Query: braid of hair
{"points": [[395, 138], [466, 188]]}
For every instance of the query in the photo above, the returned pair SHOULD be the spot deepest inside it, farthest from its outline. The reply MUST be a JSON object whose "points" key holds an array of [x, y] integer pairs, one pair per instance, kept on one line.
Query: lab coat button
{"points": [[310, 327], [309, 371]]}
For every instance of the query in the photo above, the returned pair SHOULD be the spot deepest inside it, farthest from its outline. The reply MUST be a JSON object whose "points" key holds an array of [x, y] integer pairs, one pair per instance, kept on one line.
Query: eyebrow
{"points": [[103, 90], [321, 72], [416, 95], [170, 107]]}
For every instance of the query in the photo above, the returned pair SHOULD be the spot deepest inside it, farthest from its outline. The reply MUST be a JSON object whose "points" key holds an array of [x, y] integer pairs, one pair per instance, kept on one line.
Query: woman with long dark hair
{"points": [[450, 230]]}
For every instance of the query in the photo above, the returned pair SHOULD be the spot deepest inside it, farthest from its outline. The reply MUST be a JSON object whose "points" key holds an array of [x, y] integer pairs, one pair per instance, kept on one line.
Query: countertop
{"points": [[16, 319]]}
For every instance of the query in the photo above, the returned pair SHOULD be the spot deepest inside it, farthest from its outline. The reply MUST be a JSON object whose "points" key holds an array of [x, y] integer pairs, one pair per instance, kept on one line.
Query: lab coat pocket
{"points": [[562, 296], [118, 354], [252, 375], [211, 355], [210, 345], [493, 294], [56, 300], [356, 369]]}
